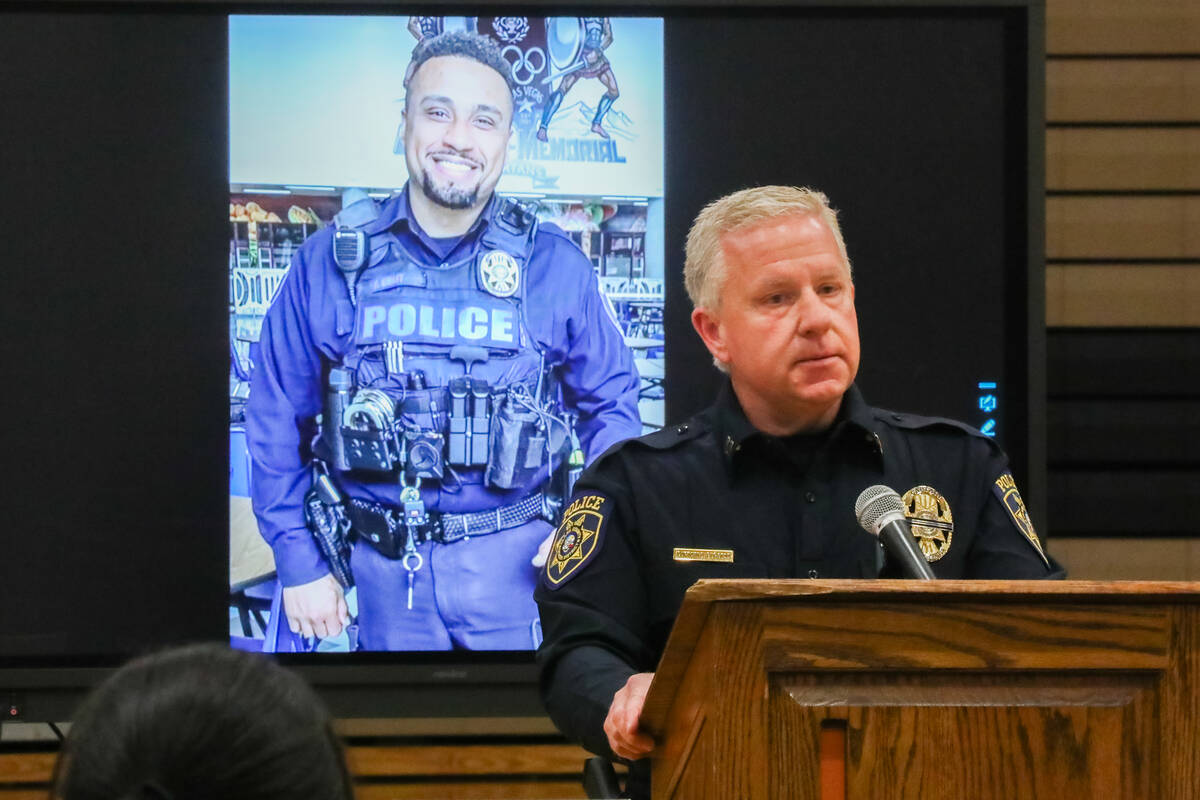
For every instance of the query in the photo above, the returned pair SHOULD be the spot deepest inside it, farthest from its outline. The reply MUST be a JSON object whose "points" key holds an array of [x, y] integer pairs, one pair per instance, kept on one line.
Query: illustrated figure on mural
{"points": [[591, 62]]}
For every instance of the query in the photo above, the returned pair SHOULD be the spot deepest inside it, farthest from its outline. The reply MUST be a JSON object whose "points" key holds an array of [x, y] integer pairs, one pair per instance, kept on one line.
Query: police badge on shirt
{"points": [[577, 540], [930, 520]]}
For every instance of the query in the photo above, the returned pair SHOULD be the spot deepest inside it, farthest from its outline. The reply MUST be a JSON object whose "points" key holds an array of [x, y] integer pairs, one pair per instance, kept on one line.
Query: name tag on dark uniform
{"points": [[695, 554]]}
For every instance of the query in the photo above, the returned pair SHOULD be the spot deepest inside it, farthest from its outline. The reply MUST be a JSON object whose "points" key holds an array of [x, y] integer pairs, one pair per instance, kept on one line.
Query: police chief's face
{"points": [[457, 121], [786, 325]]}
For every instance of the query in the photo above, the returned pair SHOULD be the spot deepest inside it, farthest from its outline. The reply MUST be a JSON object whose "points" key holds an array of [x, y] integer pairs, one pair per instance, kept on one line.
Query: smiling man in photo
{"points": [[454, 348]]}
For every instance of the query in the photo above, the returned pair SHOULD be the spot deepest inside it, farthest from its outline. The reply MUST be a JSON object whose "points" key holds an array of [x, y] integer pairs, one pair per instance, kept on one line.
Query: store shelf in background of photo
{"points": [[613, 254], [624, 254], [259, 256]]}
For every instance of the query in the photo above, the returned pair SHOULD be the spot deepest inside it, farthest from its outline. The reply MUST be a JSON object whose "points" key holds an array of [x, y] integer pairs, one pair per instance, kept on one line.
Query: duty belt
{"points": [[458, 526], [383, 528]]}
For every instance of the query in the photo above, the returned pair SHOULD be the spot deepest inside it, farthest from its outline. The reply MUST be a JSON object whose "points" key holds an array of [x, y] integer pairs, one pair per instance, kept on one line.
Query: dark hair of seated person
{"points": [[202, 721]]}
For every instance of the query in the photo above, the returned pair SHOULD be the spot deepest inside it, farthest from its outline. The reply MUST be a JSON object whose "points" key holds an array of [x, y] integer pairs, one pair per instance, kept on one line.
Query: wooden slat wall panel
{"points": [[1123, 436], [432, 729], [1122, 26], [1123, 295], [26, 767], [1118, 228], [1126, 500], [484, 790], [1103, 365], [1133, 90], [1123, 114], [441, 760], [1123, 159], [1150, 432], [404, 771], [1124, 559], [524, 790]]}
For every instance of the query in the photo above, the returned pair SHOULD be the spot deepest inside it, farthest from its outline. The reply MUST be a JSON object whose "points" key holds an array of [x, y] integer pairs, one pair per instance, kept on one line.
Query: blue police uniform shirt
{"points": [[310, 326]]}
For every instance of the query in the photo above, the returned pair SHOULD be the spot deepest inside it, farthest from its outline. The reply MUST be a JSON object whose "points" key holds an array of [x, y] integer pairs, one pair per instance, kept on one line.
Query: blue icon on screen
{"points": [[987, 403], [989, 428], [987, 384]]}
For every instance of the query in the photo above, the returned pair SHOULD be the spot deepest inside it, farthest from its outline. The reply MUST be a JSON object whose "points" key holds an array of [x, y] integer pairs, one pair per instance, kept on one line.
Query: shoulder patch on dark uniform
{"points": [[577, 540], [1005, 488]]}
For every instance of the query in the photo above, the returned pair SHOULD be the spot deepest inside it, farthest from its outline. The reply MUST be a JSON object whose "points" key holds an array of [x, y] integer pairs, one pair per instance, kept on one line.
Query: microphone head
{"points": [[876, 506]]}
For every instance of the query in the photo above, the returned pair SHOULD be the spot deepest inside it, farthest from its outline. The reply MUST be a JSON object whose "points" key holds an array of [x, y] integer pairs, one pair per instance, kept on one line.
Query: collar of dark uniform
{"points": [[854, 421], [399, 209]]}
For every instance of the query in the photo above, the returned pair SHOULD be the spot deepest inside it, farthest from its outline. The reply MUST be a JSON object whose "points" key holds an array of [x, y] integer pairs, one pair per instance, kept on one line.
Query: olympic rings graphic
{"points": [[523, 65]]}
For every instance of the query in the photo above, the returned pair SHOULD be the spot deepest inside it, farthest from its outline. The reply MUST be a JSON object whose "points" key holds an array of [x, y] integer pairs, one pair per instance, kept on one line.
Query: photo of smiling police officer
{"points": [[422, 376]]}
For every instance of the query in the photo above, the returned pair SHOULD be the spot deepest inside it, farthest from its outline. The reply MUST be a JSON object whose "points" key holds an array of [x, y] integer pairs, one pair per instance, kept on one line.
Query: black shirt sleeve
{"points": [[593, 607], [574, 688], [1006, 544]]}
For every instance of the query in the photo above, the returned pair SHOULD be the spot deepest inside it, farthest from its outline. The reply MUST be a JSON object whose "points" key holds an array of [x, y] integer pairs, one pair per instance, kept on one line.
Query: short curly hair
{"points": [[463, 45]]}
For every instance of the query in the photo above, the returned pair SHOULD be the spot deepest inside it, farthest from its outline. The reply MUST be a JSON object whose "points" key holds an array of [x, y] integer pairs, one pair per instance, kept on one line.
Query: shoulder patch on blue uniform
{"points": [[1005, 488], [577, 540]]}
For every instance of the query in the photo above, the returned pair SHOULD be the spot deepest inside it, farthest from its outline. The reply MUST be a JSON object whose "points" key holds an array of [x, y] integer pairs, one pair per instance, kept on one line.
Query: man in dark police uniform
{"points": [[762, 484], [452, 345]]}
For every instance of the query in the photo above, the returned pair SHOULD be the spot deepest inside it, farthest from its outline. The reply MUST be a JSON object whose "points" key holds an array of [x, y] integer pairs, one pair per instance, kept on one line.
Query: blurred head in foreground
{"points": [[202, 721]]}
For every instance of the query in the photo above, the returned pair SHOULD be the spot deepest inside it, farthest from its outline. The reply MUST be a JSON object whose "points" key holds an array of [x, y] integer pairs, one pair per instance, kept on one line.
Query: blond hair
{"points": [[704, 269]]}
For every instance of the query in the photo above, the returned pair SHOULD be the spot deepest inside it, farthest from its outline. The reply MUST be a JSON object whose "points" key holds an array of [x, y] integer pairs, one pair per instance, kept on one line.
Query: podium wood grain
{"points": [[950, 689]]}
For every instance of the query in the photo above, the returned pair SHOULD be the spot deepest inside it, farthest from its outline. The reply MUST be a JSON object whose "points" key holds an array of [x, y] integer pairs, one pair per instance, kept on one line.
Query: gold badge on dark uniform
{"points": [[577, 539], [931, 521], [1010, 498]]}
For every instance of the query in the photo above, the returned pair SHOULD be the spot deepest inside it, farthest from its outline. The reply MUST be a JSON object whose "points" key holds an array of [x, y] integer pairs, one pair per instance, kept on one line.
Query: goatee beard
{"points": [[453, 199]]}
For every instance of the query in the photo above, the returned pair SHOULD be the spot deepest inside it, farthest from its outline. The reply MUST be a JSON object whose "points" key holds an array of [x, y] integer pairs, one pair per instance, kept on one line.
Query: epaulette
{"points": [[916, 422], [671, 435], [554, 230], [662, 439], [358, 214]]}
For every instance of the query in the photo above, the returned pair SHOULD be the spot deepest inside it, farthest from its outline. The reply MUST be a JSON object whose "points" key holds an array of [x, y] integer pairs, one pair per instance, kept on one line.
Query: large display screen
{"points": [[329, 112], [158, 206]]}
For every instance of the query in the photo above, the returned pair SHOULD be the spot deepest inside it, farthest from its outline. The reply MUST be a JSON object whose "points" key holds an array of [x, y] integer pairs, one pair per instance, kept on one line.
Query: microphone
{"points": [[880, 511]]}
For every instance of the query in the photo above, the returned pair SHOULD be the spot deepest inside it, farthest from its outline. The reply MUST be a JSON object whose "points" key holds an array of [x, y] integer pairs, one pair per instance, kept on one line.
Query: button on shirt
{"points": [[784, 506]]}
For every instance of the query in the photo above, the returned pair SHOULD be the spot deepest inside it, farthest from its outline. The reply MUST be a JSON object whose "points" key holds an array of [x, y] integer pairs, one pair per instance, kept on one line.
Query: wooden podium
{"points": [[962, 690]]}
